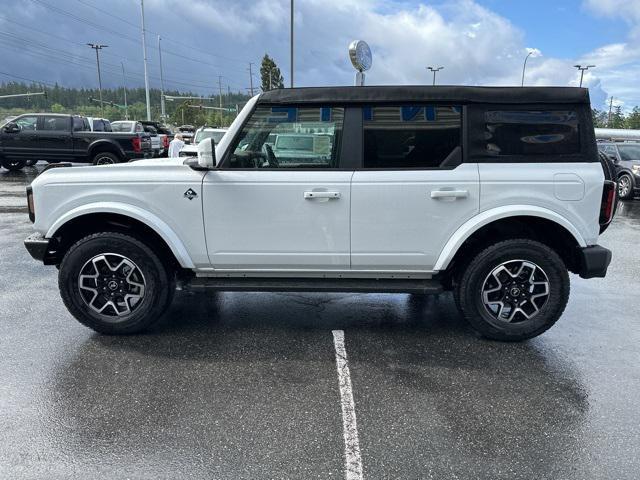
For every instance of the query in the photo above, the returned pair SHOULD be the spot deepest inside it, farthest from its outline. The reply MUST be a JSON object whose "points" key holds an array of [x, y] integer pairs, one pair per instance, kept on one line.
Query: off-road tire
{"points": [[469, 288], [159, 282], [105, 158]]}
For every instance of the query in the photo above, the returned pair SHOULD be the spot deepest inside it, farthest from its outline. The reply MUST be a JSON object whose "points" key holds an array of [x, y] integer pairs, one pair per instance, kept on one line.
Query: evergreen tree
{"points": [[270, 75], [617, 118]]}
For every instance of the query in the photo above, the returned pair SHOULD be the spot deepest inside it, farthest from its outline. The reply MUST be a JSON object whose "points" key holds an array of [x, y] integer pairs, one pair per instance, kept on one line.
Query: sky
{"points": [[206, 43]]}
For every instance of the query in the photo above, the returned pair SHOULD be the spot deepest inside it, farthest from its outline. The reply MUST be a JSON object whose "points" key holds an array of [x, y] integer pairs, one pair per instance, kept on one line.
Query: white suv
{"points": [[493, 193]]}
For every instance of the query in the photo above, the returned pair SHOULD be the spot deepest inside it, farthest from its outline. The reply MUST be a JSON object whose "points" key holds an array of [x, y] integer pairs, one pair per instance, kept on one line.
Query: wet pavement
{"points": [[244, 385]]}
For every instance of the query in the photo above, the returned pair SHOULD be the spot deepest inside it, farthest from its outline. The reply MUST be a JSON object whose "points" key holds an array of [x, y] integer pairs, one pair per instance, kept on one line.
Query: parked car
{"points": [[191, 150], [164, 132], [57, 137], [132, 126], [495, 193], [626, 158], [99, 124], [188, 132]]}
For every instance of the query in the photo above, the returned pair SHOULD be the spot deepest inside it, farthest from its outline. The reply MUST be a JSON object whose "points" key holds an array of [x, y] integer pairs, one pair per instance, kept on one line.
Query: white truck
{"points": [[494, 193]]}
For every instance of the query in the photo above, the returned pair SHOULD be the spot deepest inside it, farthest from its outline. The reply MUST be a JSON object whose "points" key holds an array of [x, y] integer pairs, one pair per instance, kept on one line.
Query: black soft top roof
{"points": [[420, 93]]}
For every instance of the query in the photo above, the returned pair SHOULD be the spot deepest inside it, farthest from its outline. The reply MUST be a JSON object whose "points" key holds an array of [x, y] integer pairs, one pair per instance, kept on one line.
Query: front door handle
{"points": [[449, 194], [311, 195]]}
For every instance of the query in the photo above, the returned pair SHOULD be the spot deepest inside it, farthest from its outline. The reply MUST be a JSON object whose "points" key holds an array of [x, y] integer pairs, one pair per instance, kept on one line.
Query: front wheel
{"points": [[625, 186], [513, 290], [115, 284], [14, 164]]}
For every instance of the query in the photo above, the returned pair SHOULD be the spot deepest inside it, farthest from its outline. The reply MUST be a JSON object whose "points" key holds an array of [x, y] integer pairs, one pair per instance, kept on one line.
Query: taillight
{"points": [[165, 141], [30, 205], [608, 204], [137, 144]]}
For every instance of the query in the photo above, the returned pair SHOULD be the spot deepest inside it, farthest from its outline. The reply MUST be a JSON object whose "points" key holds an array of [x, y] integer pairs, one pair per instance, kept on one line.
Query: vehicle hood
{"points": [[167, 170]]}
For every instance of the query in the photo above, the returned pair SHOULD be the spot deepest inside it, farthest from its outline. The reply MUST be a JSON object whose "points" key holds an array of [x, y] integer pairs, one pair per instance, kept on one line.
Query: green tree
{"points": [[599, 118], [617, 118], [633, 119], [270, 75], [57, 108]]}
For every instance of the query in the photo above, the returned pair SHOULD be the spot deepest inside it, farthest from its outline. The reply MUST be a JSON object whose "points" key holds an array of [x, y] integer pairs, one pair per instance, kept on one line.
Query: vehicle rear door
{"points": [[23, 143], [54, 137], [290, 215], [413, 190]]}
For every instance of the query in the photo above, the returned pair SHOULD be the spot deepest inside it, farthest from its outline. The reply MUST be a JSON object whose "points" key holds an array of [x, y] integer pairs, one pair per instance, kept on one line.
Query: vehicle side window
{"points": [[289, 137], [27, 123], [411, 136], [531, 132], [55, 123], [98, 126], [85, 124], [78, 124], [139, 127], [609, 150]]}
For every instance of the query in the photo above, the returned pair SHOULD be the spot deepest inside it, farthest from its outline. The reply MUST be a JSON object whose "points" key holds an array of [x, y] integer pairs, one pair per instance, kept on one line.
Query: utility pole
{"points": [[251, 78], [220, 96], [434, 70], [97, 47], [291, 55], [582, 70], [124, 87], [162, 112], [144, 54], [610, 107]]}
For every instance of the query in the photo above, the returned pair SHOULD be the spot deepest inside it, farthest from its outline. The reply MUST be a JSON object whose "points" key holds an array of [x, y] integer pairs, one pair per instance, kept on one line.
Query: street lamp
{"points": [[434, 70], [524, 66], [97, 47], [582, 70]]}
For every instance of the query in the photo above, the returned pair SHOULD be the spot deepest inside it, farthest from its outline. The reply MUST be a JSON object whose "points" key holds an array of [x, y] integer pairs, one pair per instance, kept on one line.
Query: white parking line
{"points": [[350, 427]]}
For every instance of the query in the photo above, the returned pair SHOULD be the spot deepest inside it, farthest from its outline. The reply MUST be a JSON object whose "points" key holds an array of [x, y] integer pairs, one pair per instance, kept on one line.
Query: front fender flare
{"points": [[152, 221], [485, 218]]}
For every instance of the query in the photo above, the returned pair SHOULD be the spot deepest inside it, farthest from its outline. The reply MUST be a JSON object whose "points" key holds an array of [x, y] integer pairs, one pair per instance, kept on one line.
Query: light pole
{"points": [[291, 34], [97, 47], [162, 110], [582, 70], [434, 70], [124, 87], [524, 66], [144, 55]]}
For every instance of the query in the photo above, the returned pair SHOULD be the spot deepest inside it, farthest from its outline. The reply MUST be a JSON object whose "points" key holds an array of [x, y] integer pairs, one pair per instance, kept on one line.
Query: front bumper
{"points": [[37, 246], [594, 261]]}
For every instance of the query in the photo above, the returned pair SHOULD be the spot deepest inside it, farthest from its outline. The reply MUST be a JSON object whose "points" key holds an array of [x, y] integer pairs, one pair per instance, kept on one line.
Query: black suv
{"points": [[626, 158]]}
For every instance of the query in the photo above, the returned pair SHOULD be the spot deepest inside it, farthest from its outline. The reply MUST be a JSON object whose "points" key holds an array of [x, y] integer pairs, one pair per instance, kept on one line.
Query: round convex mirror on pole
{"points": [[360, 55]]}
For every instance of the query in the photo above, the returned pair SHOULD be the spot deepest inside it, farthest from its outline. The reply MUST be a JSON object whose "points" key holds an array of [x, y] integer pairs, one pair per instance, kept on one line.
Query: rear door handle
{"points": [[311, 195], [449, 194]]}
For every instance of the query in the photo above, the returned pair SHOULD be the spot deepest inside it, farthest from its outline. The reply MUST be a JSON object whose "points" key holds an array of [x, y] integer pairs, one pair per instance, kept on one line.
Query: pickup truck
{"points": [[56, 137], [493, 193]]}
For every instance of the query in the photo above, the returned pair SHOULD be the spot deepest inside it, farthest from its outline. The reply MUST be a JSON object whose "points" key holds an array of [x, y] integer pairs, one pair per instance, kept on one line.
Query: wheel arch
{"points": [[93, 218], [105, 146], [534, 223]]}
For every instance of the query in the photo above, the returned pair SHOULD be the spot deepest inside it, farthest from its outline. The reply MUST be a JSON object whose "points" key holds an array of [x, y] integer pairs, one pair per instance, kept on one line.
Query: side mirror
{"points": [[11, 127], [207, 153], [613, 158]]}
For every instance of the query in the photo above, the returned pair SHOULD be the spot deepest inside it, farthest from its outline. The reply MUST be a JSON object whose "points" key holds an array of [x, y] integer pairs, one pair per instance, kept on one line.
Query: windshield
{"points": [[629, 152], [294, 142], [122, 126], [202, 134]]}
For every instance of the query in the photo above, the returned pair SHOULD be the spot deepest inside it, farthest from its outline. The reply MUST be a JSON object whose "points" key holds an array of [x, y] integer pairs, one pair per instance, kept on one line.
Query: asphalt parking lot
{"points": [[245, 385]]}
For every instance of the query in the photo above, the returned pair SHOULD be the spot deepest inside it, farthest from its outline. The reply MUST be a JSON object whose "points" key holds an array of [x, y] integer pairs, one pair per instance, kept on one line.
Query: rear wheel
{"points": [[105, 158], [513, 290], [625, 186], [14, 164], [115, 284]]}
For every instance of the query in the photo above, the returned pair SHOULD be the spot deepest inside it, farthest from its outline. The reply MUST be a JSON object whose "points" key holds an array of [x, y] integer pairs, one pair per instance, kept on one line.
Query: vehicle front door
{"points": [[23, 143], [290, 214], [54, 137], [413, 191]]}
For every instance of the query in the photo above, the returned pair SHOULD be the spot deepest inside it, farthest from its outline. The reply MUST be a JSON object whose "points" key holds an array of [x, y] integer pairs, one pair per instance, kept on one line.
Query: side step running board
{"points": [[315, 285]]}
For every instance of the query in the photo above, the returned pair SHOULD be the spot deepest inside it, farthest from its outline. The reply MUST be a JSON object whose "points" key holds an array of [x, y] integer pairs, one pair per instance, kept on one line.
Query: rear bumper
{"points": [[37, 246], [594, 261]]}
